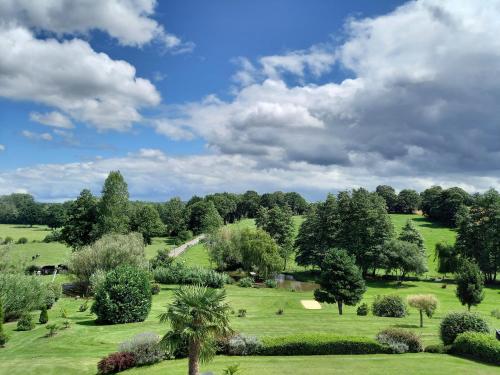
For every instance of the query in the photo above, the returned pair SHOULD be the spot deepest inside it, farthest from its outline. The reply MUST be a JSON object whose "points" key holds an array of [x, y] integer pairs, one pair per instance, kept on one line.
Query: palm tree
{"points": [[198, 316]]}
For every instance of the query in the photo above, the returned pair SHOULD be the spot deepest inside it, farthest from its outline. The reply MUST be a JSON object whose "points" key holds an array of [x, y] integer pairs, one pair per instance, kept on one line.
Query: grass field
{"points": [[76, 350]]}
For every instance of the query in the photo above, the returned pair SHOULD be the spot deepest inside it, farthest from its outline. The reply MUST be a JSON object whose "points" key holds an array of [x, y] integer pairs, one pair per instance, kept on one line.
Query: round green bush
{"points": [[25, 323], [44, 317], [480, 346], [123, 297], [456, 323], [155, 288], [246, 282], [362, 309], [401, 336], [271, 283], [389, 306], [22, 240]]}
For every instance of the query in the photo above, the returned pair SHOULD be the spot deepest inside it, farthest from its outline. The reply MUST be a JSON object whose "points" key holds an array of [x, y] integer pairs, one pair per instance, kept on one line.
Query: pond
{"points": [[288, 282]]}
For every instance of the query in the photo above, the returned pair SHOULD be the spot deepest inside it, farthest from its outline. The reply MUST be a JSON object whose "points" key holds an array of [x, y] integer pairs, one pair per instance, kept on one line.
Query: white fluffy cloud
{"points": [[54, 119], [129, 21], [151, 174], [2, 148], [421, 100], [70, 76]]}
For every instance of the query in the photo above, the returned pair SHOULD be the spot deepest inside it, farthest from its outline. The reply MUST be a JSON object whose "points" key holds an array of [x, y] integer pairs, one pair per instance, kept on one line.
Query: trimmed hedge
{"points": [[480, 346], [322, 344], [456, 323], [437, 349]]}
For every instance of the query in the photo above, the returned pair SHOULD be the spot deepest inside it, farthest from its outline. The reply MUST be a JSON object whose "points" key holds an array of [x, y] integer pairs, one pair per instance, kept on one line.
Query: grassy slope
{"points": [[77, 350]]}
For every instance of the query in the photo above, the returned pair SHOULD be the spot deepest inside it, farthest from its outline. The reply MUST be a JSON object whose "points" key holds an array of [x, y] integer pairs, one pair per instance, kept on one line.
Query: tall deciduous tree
{"points": [[447, 257], [114, 205], [340, 281], [389, 195], [404, 257], [146, 220], [175, 215], [198, 316], [409, 201], [204, 217], [470, 284], [80, 227]]}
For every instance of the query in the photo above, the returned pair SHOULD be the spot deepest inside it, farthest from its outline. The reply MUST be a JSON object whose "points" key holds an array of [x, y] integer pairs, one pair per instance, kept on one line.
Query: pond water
{"points": [[288, 282]]}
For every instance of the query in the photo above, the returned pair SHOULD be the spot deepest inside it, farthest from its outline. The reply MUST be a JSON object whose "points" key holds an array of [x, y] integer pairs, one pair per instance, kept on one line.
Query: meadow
{"points": [[76, 350]]}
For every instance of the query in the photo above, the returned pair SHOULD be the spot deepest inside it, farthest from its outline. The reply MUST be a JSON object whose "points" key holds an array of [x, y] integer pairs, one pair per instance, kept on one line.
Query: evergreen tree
{"points": [[114, 206], [410, 234], [44, 316], [340, 281], [470, 284], [278, 223], [80, 227]]}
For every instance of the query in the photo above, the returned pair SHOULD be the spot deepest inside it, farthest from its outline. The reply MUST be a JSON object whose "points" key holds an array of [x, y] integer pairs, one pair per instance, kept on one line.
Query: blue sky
{"points": [[313, 96]]}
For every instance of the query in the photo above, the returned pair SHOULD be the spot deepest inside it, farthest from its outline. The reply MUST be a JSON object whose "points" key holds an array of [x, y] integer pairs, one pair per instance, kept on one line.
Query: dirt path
{"points": [[175, 252]]}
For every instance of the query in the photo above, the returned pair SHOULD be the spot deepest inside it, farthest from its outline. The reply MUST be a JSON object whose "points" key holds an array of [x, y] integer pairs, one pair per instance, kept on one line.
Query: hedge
{"points": [[178, 273], [480, 346], [322, 344]]}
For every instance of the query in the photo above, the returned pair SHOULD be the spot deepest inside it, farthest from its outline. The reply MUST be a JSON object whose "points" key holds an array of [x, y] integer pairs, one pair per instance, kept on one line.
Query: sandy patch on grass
{"points": [[310, 304]]}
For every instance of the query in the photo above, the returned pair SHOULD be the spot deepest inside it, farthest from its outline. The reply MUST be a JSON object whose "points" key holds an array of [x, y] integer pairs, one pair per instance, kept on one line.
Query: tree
{"points": [[309, 250], [410, 234], [447, 257], [198, 316], [389, 195], [249, 204], [340, 281], [204, 217], [424, 304], [80, 227], [55, 216], [296, 203], [479, 233], [146, 220], [404, 257], [278, 223], [409, 201], [259, 252], [226, 205], [114, 206], [470, 284], [175, 216]]}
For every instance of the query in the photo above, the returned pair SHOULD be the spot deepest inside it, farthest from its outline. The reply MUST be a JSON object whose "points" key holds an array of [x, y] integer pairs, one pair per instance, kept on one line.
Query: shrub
{"points": [[115, 362], [242, 313], [22, 240], [25, 323], [54, 236], [178, 273], [145, 348], [320, 344], [437, 348], [389, 306], [162, 259], [456, 323], [243, 345], [184, 236], [3, 336], [155, 288], [66, 324], [362, 309], [84, 306], [55, 288], [495, 313], [96, 279], [480, 346], [124, 297], [52, 329], [106, 254], [280, 311], [231, 370], [271, 283], [64, 313], [246, 282], [8, 240], [20, 293], [412, 341], [44, 317]]}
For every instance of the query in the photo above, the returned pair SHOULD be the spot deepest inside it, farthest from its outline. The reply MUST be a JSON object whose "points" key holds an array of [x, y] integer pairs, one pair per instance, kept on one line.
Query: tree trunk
{"points": [[421, 318], [194, 358], [339, 303]]}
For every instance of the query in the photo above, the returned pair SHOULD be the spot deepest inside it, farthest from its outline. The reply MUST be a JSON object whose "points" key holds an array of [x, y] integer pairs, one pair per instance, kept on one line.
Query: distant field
{"points": [[35, 233]]}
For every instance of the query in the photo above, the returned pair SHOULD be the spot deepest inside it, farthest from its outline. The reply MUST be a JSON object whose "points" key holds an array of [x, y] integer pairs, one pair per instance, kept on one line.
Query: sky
{"points": [[195, 97]]}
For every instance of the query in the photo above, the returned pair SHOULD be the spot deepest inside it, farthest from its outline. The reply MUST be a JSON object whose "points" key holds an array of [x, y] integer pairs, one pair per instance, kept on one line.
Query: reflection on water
{"points": [[288, 282]]}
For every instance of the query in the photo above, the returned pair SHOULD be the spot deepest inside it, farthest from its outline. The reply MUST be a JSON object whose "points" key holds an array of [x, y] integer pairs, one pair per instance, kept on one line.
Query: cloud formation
{"points": [[420, 100], [54, 119], [37, 136], [128, 21]]}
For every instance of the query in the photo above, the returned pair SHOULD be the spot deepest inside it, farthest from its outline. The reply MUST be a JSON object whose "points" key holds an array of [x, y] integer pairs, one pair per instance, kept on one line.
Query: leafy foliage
{"points": [[44, 316], [340, 280], [447, 257], [390, 336], [179, 273], [124, 297], [480, 346], [80, 227], [424, 304], [456, 323], [145, 347], [115, 362], [146, 221], [391, 305], [241, 344], [25, 323], [470, 284], [20, 293], [113, 208], [363, 309]]}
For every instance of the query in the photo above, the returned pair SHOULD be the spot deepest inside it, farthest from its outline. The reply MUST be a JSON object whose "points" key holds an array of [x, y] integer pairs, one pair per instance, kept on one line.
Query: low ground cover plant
{"points": [[115, 362], [242, 344], [145, 347], [456, 323]]}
